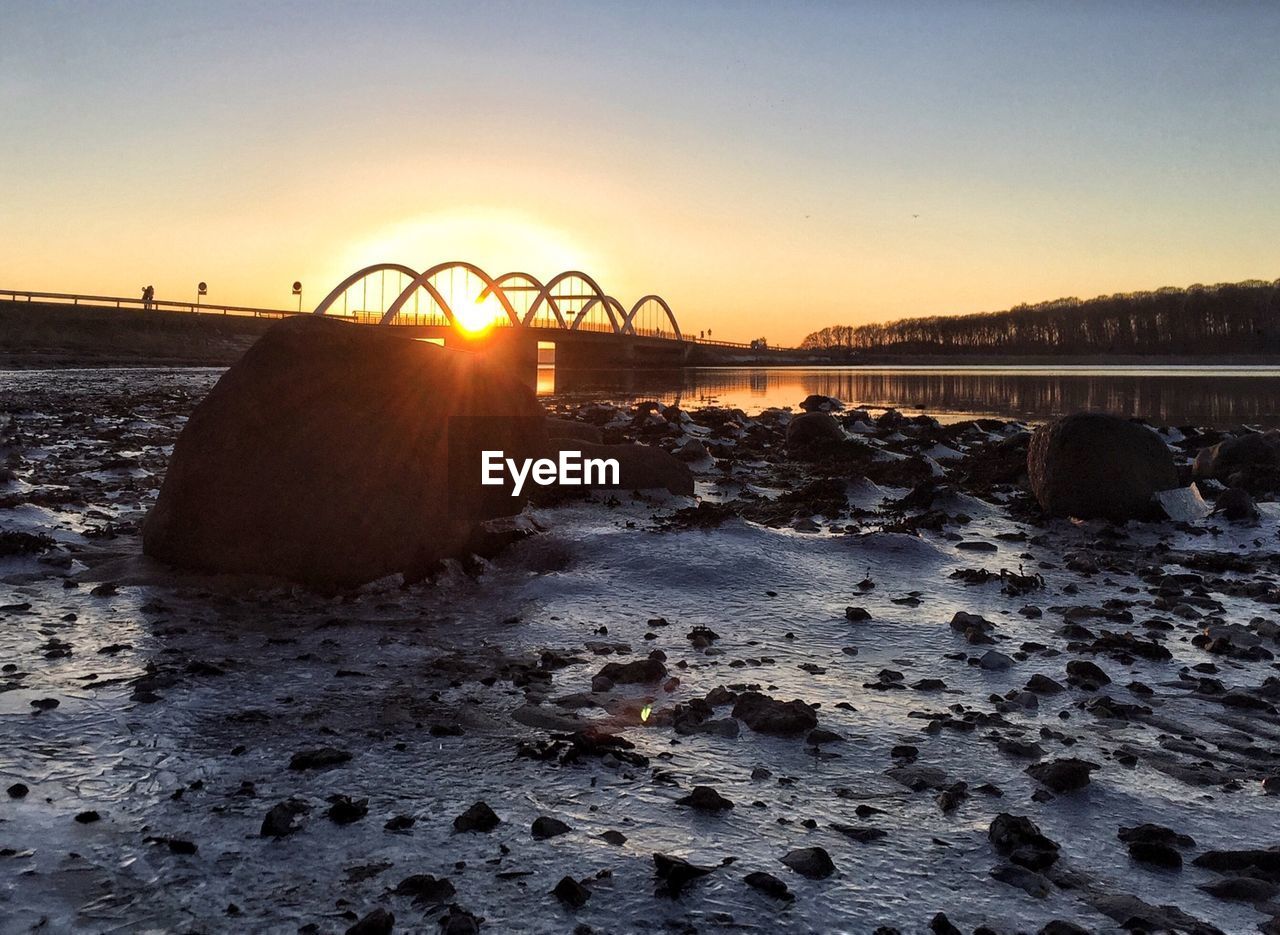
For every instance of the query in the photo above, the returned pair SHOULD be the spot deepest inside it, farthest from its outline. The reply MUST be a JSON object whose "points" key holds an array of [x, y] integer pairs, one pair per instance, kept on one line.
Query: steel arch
{"points": [[358, 275], [423, 281], [569, 274], [635, 309]]}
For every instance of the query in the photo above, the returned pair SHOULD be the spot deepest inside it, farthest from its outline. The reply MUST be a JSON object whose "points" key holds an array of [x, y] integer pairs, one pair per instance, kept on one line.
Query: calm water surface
{"points": [[1168, 395]]}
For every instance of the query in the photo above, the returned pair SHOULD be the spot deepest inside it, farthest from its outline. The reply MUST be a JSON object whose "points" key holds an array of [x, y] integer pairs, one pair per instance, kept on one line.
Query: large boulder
{"points": [[1090, 465], [323, 456], [1249, 461]]}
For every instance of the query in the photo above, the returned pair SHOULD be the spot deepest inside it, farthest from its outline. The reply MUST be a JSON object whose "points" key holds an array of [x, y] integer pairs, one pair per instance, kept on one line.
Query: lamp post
{"points": [[297, 290]]}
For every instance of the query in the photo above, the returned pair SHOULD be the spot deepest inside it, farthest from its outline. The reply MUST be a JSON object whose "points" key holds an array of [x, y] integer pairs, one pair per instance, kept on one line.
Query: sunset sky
{"points": [[761, 166]]}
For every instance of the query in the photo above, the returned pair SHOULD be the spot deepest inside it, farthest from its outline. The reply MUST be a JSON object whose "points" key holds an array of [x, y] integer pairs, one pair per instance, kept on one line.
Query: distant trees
{"points": [[1229, 318]]}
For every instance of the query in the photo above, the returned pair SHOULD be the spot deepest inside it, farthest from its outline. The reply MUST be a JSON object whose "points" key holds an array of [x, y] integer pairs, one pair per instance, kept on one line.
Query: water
{"points": [[245, 676], [1165, 395]]}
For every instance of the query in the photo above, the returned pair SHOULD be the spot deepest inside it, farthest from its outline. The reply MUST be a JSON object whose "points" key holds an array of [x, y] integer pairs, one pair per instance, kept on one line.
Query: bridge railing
{"points": [[361, 316], [164, 305]]}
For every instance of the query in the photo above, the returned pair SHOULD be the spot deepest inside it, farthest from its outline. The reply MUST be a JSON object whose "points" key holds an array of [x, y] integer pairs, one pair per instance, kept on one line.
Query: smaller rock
{"points": [[544, 828], [479, 817], [812, 862], [1064, 775], [320, 758], [705, 799], [377, 922], [282, 818], [1159, 855], [1086, 675], [344, 809], [676, 873], [994, 661], [770, 885], [572, 893]]}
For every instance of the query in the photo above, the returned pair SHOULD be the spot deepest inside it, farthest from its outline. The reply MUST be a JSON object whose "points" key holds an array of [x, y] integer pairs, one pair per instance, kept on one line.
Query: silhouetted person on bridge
{"points": [[148, 297]]}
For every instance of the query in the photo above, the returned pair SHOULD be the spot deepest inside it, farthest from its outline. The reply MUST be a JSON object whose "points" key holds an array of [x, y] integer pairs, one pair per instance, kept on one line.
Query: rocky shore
{"points": [[862, 682]]}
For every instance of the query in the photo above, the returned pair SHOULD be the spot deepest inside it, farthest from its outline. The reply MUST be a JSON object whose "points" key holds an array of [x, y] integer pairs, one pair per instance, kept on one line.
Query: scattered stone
{"points": [[320, 758], [1159, 855], [544, 828], [282, 819], [572, 893], [705, 799], [1087, 675], [344, 810], [425, 889], [770, 885], [1019, 839], [1064, 775], [770, 716], [479, 817], [675, 873], [377, 922], [812, 862]]}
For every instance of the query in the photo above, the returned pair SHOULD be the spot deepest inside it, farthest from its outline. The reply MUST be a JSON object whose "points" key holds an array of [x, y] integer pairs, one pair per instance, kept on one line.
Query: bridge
{"points": [[511, 316]]}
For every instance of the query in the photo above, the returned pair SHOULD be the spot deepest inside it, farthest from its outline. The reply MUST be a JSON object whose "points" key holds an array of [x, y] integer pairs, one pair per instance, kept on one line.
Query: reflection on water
{"points": [[1219, 396]]}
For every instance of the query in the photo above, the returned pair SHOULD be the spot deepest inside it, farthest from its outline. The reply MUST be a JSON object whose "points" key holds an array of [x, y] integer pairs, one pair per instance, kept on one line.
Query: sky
{"points": [[768, 168]]}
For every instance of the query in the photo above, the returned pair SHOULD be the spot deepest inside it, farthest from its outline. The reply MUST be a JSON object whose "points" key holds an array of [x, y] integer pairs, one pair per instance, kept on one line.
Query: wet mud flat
{"points": [[869, 690]]}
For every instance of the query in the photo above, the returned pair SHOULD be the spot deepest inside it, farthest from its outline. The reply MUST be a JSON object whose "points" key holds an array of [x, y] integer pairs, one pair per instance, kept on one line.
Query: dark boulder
{"points": [[572, 893], [770, 885], [1236, 506], [1063, 775], [813, 430], [1095, 466], [545, 828], [479, 817], [323, 456], [815, 402], [675, 874], [1251, 461], [1019, 839], [770, 716], [812, 862], [377, 922]]}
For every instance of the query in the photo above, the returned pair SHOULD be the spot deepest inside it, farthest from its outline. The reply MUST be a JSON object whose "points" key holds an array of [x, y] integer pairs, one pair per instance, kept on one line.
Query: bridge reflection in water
{"points": [[1219, 396]]}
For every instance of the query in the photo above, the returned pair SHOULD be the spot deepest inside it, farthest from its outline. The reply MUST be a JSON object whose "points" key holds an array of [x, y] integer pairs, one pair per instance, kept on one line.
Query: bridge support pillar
{"points": [[594, 352]]}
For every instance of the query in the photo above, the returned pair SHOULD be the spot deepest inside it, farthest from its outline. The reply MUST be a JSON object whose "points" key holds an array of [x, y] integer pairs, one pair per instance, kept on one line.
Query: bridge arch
{"points": [[662, 303], [598, 294], [358, 275], [613, 308], [423, 281], [532, 310]]}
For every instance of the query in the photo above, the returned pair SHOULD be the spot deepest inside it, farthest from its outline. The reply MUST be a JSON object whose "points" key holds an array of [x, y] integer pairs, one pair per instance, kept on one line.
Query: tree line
{"points": [[1228, 318]]}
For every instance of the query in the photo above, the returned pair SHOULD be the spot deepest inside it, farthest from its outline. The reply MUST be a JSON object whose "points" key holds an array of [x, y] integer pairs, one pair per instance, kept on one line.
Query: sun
{"points": [[474, 310]]}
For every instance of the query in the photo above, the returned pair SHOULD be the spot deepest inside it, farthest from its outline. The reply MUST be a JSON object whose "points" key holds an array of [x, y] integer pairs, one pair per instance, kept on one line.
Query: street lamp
{"points": [[297, 290]]}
